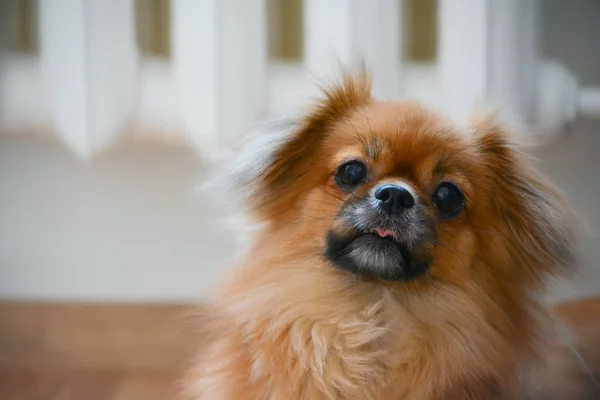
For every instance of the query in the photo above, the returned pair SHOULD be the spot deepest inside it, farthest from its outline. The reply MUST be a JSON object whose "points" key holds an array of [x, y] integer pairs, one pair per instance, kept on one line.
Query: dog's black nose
{"points": [[394, 199]]}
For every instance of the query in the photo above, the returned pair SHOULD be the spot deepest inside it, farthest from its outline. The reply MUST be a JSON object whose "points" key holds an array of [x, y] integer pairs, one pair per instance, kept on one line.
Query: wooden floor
{"points": [[93, 352], [137, 352]]}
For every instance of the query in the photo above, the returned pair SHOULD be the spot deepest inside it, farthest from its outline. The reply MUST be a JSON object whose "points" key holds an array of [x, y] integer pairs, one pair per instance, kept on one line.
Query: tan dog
{"points": [[401, 258]]}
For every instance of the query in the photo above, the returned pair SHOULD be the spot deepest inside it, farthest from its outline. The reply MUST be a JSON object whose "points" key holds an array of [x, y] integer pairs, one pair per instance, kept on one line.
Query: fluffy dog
{"points": [[401, 256]]}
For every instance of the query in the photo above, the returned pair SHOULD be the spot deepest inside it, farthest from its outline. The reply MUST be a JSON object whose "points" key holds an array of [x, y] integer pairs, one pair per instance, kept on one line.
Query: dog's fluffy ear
{"points": [[539, 220], [274, 168]]}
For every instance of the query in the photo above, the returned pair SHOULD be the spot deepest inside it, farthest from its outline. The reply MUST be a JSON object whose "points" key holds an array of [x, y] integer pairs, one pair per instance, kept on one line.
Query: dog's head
{"points": [[391, 191]]}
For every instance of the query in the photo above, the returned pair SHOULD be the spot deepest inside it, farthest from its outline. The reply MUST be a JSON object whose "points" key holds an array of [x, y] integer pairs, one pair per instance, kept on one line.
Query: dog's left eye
{"points": [[351, 174], [448, 199]]}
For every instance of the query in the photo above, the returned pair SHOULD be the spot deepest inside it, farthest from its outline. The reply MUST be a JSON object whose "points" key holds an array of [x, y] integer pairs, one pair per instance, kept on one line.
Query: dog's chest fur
{"points": [[439, 348]]}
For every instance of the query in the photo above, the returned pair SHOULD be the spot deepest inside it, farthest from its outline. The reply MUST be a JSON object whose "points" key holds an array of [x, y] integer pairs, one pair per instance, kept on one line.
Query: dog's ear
{"points": [[280, 164], [538, 221]]}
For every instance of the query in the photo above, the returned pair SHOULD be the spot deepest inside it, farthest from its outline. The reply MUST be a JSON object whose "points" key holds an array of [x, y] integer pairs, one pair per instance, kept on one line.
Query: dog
{"points": [[400, 255]]}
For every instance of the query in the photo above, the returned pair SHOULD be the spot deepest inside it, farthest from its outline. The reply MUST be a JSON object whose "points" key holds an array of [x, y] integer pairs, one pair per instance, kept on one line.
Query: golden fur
{"points": [[288, 325]]}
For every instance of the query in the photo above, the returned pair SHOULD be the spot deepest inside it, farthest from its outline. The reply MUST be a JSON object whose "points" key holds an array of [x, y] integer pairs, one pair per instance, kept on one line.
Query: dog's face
{"points": [[402, 185], [390, 191]]}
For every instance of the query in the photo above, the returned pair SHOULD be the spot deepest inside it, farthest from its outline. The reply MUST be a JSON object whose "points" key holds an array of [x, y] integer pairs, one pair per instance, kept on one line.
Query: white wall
{"points": [[125, 227], [128, 227]]}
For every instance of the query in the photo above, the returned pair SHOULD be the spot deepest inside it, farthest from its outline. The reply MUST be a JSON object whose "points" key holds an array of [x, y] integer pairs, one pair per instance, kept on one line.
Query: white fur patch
{"points": [[522, 135], [237, 170], [232, 176], [368, 259]]}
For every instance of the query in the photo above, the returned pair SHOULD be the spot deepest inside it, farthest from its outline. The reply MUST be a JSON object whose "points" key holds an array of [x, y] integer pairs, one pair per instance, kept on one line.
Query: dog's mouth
{"points": [[383, 233], [377, 254]]}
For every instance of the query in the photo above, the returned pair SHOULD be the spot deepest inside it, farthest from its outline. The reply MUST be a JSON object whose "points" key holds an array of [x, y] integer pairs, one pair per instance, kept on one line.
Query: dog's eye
{"points": [[351, 174], [449, 200]]}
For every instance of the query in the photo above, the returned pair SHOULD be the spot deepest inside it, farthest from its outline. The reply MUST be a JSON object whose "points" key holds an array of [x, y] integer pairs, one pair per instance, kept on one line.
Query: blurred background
{"points": [[111, 110]]}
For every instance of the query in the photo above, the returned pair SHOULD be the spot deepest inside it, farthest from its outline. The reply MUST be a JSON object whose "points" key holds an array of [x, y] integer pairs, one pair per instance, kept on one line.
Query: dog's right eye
{"points": [[449, 199], [351, 174]]}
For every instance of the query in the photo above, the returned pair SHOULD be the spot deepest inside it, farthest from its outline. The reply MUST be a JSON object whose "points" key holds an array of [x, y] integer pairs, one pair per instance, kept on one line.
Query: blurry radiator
{"points": [[92, 71]]}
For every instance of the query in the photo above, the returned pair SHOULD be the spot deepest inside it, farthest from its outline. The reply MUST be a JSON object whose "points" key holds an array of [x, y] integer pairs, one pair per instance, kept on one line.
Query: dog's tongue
{"points": [[384, 232]]}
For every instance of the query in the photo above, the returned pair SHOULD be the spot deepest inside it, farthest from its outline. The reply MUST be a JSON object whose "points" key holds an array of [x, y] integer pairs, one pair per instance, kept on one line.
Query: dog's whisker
{"points": [[475, 231], [455, 252]]}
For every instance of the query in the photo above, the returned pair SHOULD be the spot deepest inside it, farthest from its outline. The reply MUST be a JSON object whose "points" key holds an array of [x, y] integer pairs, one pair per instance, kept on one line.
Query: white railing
{"points": [[90, 84]]}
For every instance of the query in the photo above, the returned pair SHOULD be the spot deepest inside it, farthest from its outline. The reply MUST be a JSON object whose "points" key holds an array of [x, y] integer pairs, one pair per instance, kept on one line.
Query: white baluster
{"points": [[89, 65], [219, 61], [345, 33], [463, 55], [504, 56], [514, 55], [489, 55]]}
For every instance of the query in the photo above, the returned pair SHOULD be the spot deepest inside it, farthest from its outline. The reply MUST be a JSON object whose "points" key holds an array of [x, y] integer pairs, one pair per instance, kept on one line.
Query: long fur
{"points": [[287, 325]]}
